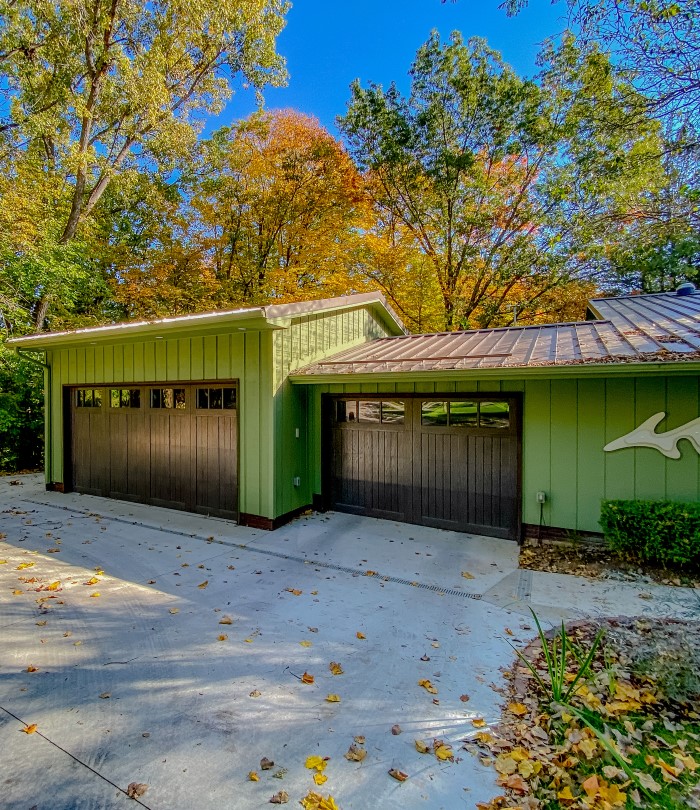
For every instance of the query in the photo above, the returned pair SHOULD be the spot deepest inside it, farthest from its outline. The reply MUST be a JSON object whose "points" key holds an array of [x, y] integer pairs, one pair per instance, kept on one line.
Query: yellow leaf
{"points": [[294, 591], [316, 763], [96, 594], [425, 683], [467, 575], [314, 801], [31, 668], [174, 610], [99, 572], [226, 620], [333, 698], [253, 777], [17, 593], [30, 729], [589, 747], [54, 586], [443, 752], [203, 584], [479, 722], [400, 776], [92, 581], [518, 709], [306, 643], [421, 747], [250, 641], [320, 778], [3, 562], [22, 566], [222, 637], [306, 678], [367, 573], [335, 668], [566, 794], [360, 635]]}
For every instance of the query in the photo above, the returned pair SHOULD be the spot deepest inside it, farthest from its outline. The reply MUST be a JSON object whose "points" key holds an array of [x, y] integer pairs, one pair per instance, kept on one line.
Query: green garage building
{"points": [[256, 414]]}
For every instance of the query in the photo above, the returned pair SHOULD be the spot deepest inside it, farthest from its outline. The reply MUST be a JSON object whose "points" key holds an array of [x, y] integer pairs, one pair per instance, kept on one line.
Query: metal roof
{"points": [[636, 329], [247, 317]]}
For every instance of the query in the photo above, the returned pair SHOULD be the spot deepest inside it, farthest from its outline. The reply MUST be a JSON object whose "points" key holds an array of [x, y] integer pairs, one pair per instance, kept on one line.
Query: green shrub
{"points": [[664, 532], [21, 413]]}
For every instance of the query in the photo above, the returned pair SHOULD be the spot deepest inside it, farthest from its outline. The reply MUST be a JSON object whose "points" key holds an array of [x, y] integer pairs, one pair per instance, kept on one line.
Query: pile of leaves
{"points": [[594, 559], [624, 734]]}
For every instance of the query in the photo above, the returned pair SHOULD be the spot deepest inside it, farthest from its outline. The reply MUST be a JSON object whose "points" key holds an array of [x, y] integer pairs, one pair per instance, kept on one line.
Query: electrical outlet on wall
{"points": [[296, 481], [541, 497]]}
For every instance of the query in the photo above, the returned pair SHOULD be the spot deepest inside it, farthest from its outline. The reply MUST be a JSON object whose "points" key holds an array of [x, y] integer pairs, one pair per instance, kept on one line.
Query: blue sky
{"points": [[329, 44]]}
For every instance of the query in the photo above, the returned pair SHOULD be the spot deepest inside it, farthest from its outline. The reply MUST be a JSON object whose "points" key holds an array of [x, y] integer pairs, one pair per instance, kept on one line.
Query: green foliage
{"points": [[21, 413], [659, 532], [558, 687]]}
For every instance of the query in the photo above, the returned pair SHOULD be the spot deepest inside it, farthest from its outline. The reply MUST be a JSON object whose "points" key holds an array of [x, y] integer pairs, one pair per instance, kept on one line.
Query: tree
{"points": [[276, 202], [506, 186], [96, 86], [656, 43]]}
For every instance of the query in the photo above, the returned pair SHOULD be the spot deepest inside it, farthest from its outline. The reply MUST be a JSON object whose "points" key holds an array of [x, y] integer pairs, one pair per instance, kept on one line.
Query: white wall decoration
{"points": [[667, 443]]}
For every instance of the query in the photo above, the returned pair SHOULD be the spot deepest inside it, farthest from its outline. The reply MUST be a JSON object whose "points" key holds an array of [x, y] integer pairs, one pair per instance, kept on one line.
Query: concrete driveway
{"points": [[121, 667]]}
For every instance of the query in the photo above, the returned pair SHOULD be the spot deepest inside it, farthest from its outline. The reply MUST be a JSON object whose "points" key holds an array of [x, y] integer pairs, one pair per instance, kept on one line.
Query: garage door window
{"points": [[216, 399], [465, 413], [125, 398], [168, 398], [88, 398]]}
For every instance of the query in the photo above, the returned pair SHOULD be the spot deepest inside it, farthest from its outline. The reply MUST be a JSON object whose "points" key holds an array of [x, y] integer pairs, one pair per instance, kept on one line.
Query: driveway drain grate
{"points": [[277, 554]]}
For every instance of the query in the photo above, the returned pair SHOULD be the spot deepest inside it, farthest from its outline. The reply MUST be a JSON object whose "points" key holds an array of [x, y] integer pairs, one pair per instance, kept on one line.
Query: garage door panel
{"points": [[455, 475], [153, 445]]}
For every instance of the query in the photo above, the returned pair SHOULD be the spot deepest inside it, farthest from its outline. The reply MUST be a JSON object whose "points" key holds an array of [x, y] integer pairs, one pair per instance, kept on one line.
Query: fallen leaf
{"points": [[566, 794], [367, 573], [479, 722], [99, 571], [355, 753], [68, 634], [22, 566], [306, 678], [41, 623], [360, 635], [92, 581], [31, 668], [435, 644], [316, 763], [422, 747], [253, 777], [226, 620], [443, 752], [306, 643], [400, 776], [508, 631], [203, 584], [314, 801], [424, 658], [294, 591], [591, 786], [335, 668], [30, 729], [396, 729], [464, 698], [95, 595], [250, 641], [360, 739], [280, 798], [320, 778], [255, 693], [425, 683], [515, 782], [53, 550], [105, 695], [222, 637], [17, 593], [333, 698], [467, 575], [136, 789], [518, 709], [266, 764]]}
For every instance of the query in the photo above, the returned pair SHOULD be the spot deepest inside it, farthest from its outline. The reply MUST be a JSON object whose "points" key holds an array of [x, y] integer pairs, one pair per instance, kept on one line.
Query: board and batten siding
{"points": [[566, 424], [307, 339], [243, 356]]}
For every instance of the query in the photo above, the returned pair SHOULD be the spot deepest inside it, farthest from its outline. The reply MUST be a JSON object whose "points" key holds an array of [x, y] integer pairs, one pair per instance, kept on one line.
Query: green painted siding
{"points": [[307, 339], [566, 424], [242, 356]]}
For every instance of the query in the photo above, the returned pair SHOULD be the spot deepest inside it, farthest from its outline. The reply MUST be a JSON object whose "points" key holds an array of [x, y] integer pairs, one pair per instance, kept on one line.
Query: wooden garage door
{"points": [[170, 444], [441, 461]]}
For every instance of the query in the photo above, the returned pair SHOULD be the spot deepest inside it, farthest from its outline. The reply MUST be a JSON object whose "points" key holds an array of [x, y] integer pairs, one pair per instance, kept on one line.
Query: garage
{"points": [[441, 461], [170, 444]]}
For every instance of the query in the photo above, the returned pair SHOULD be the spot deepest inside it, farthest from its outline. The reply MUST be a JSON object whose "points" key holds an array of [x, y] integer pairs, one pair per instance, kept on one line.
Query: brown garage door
{"points": [[171, 445], [440, 461]]}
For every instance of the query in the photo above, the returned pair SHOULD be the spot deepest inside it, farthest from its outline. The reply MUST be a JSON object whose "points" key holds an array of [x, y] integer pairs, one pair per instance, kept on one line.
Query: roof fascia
{"points": [[168, 328], [386, 314]]}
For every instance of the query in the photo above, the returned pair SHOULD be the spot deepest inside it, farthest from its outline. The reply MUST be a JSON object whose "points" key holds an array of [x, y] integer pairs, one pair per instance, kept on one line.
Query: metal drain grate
{"points": [[277, 554]]}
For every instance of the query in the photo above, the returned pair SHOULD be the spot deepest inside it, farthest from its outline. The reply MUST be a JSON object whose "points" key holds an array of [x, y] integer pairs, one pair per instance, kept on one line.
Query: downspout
{"points": [[27, 355]]}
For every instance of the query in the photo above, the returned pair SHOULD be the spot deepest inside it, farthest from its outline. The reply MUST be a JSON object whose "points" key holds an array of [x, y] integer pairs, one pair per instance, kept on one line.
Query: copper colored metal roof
{"points": [[634, 329]]}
